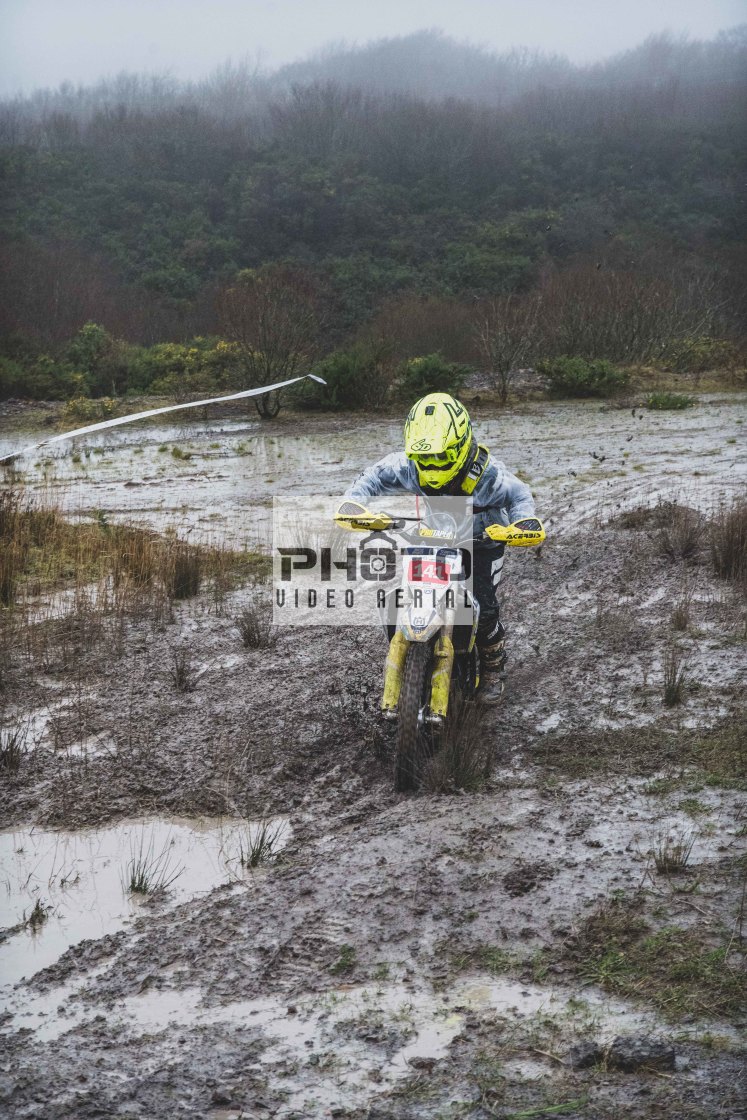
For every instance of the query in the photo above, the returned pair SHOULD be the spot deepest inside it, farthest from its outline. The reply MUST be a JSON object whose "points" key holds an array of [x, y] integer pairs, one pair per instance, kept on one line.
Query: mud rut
{"points": [[405, 957]]}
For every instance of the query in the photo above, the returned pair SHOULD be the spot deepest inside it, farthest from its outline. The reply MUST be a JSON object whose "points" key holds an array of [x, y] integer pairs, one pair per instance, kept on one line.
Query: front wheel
{"points": [[412, 739]]}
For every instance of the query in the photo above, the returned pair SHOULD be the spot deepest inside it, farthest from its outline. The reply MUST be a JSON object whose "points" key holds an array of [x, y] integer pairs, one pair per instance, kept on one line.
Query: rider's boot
{"points": [[493, 654]]}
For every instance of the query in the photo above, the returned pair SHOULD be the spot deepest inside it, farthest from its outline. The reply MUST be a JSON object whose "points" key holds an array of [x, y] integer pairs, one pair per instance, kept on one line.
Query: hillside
{"points": [[411, 166]]}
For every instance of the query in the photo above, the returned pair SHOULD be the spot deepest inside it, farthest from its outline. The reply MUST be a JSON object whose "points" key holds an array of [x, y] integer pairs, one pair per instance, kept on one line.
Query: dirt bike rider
{"points": [[442, 457]]}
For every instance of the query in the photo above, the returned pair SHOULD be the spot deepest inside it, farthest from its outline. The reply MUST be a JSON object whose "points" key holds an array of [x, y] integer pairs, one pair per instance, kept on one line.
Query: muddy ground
{"points": [[464, 954]]}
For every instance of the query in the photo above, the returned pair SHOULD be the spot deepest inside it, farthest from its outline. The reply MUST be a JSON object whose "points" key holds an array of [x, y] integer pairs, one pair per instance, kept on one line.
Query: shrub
{"points": [[37, 378], [728, 541], [669, 401], [681, 531], [82, 410], [204, 366], [255, 627], [183, 571], [431, 374], [576, 377], [356, 378], [695, 355], [12, 378]]}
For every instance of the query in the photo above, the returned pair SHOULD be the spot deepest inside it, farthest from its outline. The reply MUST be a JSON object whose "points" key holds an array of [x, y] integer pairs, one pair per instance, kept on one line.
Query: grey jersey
{"points": [[498, 497]]}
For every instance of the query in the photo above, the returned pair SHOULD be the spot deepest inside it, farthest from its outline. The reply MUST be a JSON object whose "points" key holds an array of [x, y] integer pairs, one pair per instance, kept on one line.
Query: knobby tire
{"points": [[416, 681]]}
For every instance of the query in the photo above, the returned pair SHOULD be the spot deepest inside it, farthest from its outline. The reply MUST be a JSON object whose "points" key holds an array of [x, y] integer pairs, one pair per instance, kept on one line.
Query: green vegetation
{"points": [[664, 401], [717, 757], [149, 871], [488, 958], [563, 1109], [681, 971], [520, 221], [576, 377], [359, 377], [41, 551], [38, 916], [346, 961], [431, 374], [260, 843], [698, 354]]}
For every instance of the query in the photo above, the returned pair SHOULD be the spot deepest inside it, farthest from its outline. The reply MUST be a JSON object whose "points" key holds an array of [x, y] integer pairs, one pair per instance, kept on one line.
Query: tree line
{"points": [[137, 205]]}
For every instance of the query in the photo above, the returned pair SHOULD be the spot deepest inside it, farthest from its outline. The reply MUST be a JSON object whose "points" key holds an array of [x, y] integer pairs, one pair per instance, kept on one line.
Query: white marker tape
{"points": [[158, 412]]}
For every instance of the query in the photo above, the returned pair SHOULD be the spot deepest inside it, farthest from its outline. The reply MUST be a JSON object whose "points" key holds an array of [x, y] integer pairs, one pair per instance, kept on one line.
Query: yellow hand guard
{"points": [[354, 516], [525, 533]]}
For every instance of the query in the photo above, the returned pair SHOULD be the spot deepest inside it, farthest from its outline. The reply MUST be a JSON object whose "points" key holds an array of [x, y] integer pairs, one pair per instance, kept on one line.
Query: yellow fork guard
{"points": [[441, 678], [395, 666]]}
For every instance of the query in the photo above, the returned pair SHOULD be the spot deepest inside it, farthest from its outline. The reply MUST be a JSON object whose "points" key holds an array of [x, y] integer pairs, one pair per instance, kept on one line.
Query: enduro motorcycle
{"points": [[432, 664]]}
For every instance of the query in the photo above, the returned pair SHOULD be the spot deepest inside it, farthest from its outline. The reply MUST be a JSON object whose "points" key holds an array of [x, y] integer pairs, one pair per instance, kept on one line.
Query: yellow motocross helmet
{"points": [[438, 439]]}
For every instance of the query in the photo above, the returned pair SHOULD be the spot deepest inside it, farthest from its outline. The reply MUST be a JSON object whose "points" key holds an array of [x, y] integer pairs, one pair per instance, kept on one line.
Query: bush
{"points": [[37, 378], [669, 401], [356, 378], [575, 377], [695, 355], [12, 378], [431, 374], [81, 410], [204, 366]]}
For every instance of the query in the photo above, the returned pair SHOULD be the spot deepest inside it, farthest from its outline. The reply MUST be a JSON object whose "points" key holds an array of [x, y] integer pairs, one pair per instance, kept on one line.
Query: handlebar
{"points": [[525, 532]]}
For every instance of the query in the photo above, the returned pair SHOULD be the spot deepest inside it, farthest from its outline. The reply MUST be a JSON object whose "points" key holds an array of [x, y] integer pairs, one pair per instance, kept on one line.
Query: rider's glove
{"points": [[352, 515], [527, 532]]}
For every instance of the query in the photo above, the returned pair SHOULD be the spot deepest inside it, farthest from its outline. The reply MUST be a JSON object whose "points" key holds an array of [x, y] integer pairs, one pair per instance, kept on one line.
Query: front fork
{"points": [[393, 670], [443, 667]]}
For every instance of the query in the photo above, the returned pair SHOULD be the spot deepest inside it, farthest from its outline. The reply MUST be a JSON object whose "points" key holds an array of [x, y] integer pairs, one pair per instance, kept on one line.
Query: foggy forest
{"points": [[405, 182]]}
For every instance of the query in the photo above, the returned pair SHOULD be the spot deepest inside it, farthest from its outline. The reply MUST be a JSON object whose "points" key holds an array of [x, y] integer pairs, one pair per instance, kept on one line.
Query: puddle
{"points": [[347, 1046], [79, 878], [225, 492]]}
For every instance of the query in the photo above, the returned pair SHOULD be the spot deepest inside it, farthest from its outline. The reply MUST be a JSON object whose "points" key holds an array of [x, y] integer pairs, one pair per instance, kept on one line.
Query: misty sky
{"points": [[45, 42]]}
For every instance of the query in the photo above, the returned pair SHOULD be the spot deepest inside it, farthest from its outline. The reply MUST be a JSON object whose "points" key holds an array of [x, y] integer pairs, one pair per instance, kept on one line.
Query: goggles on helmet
{"points": [[450, 455]]}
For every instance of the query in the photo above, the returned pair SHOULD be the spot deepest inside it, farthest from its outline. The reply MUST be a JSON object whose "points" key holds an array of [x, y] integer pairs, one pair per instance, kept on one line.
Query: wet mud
{"points": [[393, 957]]}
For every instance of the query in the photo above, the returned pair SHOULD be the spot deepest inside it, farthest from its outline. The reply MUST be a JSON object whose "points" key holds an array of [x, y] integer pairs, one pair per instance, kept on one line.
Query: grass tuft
{"points": [[464, 758], [38, 916], [671, 852], [255, 627], [184, 571], [182, 671], [674, 674], [12, 749], [681, 534], [728, 541], [682, 612], [260, 844], [149, 871]]}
